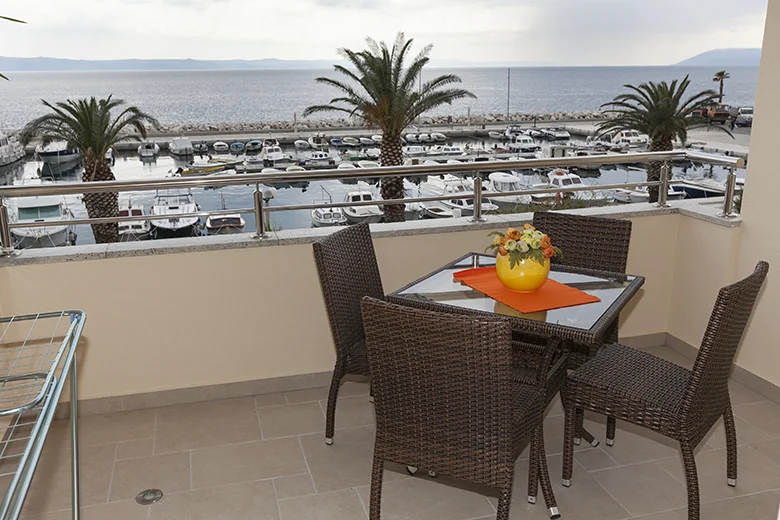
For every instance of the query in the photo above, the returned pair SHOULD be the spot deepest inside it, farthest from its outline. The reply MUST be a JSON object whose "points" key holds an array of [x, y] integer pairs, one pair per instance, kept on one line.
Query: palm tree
{"points": [[661, 111], [382, 90], [87, 124], [10, 20], [720, 77]]}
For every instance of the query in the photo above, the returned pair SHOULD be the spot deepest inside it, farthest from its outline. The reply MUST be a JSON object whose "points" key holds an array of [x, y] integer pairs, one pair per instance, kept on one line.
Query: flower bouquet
{"points": [[523, 257]]}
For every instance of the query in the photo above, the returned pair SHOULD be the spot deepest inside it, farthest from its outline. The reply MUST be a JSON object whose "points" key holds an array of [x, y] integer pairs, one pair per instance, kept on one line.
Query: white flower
{"points": [[538, 235], [523, 247]]}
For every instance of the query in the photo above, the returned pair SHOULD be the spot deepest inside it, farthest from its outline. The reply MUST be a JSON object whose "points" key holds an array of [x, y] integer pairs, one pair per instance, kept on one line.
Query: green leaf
{"points": [[499, 233], [12, 19], [3, 76]]}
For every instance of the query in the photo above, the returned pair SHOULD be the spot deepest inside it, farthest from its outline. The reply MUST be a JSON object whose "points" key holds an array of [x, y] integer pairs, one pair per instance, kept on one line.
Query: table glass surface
{"points": [[441, 288]]}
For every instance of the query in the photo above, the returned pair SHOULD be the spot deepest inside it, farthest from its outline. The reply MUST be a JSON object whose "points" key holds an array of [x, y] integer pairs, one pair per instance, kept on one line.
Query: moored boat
{"points": [[358, 214], [237, 147], [221, 147], [133, 230], [10, 150], [50, 209], [438, 137], [300, 144], [181, 146], [148, 149], [225, 224], [254, 146], [169, 205], [351, 141], [57, 152], [318, 142], [367, 141], [200, 148]]}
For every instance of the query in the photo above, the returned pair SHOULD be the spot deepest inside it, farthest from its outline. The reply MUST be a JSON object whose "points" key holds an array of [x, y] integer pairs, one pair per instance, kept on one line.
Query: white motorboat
{"points": [[499, 136], [536, 133], [521, 143], [367, 141], [412, 138], [502, 182], [373, 153], [181, 146], [237, 147], [357, 214], [700, 188], [425, 138], [412, 210], [10, 150], [344, 165], [512, 130], [300, 144], [50, 209], [446, 150], [562, 178], [414, 151], [57, 152], [319, 158], [438, 137], [642, 194], [434, 210], [351, 141], [629, 139], [225, 224], [133, 230], [377, 138], [221, 147], [326, 217], [368, 164], [556, 134], [200, 148], [337, 142], [318, 142], [254, 146], [148, 149], [271, 155], [169, 205], [453, 185]]}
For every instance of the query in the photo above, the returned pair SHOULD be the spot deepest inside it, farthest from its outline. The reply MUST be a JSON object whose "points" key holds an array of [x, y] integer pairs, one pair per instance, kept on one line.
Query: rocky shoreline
{"points": [[355, 123]]}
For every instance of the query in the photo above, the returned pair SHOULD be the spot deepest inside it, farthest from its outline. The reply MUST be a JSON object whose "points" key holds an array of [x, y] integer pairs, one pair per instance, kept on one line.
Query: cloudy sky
{"points": [[562, 32]]}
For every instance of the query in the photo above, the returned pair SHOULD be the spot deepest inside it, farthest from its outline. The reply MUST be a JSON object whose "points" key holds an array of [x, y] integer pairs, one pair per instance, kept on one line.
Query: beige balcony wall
{"points": [[760, 352], [181, 320]]}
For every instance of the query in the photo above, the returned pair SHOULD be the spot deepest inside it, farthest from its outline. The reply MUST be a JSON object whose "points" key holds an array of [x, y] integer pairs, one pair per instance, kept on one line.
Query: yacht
{"points": [[168, 205], [272, 155], [50, 209], [367, 141], [562, 178], [301, 144], [10, 150], [521, 143], [181, 146], [236, 148], [357, 214], [221, 147], [318, 142], [253, 146], [148, 149], [452, 185], [506, 182], [57, 152], [225, 224], [629, 139], [351, 141], [133, 230]]}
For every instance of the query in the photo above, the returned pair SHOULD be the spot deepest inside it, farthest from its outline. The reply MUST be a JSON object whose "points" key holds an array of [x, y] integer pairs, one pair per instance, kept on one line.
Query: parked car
{"points": [[744, 117]]}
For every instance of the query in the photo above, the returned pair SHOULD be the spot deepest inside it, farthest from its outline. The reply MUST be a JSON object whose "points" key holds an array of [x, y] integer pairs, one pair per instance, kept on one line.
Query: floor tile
{"points": [[347, 462], [200, 425], [352, 412], [764, 415], [756, 473], [170, 473], [746, 434], [292, 419], [135, 449], [264, 400], [116, 427], [340, 505], [740, 394], [594, 459], [428, 499], [246, 462], [643, 488], [347, 389], [761, 505], [633, 444], [248, 501], [127, 510], [51, 487], [770, 449], [677, 514], [294, 486]]}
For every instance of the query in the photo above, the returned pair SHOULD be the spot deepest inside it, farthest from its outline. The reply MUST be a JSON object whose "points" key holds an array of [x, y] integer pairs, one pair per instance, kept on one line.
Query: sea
{"points": [[179, 97]]}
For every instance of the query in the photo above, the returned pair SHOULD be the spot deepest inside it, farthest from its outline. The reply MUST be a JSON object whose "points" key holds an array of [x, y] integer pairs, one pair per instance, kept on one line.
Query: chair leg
{"points": [[692, 480], [568, 445], [611, 424], [582, 433], [376, 489], [330, 416], [544, 475], [731, 446], [370, 393], [504, 501], [533, 470]]}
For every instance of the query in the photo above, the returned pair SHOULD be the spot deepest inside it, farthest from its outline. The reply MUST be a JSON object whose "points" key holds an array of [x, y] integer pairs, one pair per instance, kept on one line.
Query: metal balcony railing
{"points": [[261, 208]]}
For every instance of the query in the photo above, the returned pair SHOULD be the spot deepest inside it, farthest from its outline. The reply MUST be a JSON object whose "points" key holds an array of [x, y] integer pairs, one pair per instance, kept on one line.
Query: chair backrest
{"points": [[348, 271], [443, 389], [707, 393], [587, 242]]}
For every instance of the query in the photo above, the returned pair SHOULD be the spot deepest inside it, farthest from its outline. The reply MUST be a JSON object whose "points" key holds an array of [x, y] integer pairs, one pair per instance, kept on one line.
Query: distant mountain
{"points": [[725, 58], [60, 64]]}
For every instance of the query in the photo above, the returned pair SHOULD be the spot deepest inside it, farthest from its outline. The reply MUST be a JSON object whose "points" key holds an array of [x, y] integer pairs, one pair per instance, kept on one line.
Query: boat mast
{"points": [[508, 89]]}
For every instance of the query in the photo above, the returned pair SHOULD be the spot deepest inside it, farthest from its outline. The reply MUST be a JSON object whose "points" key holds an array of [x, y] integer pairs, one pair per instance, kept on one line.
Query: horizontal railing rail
{"points": [[273, 178]]}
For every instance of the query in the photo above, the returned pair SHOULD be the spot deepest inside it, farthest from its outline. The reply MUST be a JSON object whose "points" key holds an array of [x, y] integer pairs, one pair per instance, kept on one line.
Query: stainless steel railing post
{"points": [[728, 197], [663, 189], [6, 241], [259, 214], [478, 199]]}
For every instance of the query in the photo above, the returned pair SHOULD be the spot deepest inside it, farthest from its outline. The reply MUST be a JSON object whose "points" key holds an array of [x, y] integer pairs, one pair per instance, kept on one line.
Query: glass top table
{"points": [[585, 323]]}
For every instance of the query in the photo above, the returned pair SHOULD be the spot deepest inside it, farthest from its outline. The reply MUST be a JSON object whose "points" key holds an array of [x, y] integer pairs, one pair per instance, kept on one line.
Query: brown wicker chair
{"points": [[642, 389], [348, 271], [448, 399], [590, 243]]}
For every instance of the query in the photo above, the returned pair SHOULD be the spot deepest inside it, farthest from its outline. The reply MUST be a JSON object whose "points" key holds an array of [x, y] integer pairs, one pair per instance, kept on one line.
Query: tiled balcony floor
{"points": [[264, 458]]}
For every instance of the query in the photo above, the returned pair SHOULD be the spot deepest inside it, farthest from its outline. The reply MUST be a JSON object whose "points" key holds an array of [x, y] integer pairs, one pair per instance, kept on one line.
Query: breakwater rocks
{"points": [[341, 123]]}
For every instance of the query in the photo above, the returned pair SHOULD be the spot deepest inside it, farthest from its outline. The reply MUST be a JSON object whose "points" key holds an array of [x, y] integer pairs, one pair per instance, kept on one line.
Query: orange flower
{"points": [[529, 226], [502, 251], [513, 234], [503, 240], [545, 242], [549, 252]]}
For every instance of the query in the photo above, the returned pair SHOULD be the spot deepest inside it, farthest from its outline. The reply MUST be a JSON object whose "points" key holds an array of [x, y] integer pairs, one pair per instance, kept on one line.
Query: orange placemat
{"points": [[551, 295]]}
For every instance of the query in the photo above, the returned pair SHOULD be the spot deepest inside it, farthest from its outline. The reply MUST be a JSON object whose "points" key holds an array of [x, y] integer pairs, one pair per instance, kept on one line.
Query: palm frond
{"points": [[11, 19]]}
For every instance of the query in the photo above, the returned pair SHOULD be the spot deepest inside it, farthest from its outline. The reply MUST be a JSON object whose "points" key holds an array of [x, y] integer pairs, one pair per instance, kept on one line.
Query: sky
{"points": [[556, 32]]}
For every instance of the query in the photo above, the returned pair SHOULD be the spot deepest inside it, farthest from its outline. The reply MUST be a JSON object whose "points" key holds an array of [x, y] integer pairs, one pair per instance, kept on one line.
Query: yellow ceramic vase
{"points": [[526, 276]]}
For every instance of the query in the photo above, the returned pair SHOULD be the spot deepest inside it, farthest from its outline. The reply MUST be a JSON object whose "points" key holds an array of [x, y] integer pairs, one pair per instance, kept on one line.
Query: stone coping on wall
{"points": [[706, 210]]}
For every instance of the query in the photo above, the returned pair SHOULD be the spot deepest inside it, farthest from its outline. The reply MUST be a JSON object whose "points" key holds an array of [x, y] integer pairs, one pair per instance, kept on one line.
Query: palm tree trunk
{"points": [[392, 187], [654, 167], [720, 98], [100, 204]]}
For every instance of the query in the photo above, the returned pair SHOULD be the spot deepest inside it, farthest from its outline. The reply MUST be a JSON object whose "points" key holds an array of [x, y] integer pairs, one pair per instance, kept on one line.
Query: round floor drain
{"points": [[149, 496]]}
